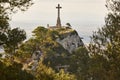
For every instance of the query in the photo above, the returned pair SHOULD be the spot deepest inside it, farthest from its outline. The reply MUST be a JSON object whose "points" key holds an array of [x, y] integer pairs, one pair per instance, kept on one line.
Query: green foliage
{"points": [[13, 71], [3, 25], [27, 49], [113, 5], [40, 33], [11, 39], [46, 73], [15, 37], [79, 63], [7, 7], [68, 24], [14, 5], [64, 76], [105, 46]]}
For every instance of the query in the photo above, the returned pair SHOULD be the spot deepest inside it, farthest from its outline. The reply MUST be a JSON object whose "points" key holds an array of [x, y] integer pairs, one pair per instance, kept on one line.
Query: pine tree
{"points": [[7, 7], [105, 46]]}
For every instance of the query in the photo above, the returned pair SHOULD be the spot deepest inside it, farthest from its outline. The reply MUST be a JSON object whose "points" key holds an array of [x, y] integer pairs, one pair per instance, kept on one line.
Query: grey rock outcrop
{"points": [[70, 41]]}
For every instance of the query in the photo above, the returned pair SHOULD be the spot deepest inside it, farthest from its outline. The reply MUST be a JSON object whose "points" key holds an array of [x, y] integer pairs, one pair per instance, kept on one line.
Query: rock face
{"points": [[70, 41]]}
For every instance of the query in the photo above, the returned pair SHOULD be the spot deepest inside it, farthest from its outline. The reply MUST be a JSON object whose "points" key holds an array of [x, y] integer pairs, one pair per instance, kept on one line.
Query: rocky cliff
{"points": [[70, 40]]}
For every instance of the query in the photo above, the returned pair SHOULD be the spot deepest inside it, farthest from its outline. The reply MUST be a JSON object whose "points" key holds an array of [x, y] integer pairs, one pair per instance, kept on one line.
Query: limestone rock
{"points": [[70, 40]]}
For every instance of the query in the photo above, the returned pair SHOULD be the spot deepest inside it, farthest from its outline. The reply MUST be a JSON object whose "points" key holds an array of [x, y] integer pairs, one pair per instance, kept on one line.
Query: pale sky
{"points": [[85, 16]]}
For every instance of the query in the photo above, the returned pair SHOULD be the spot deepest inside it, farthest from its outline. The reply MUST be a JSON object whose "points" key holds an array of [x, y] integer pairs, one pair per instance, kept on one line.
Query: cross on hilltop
{"points": [[58, 18], [58, 24], [58, 9]]}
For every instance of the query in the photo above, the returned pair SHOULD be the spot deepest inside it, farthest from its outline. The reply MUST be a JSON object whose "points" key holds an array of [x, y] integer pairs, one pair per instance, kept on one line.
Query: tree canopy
{"points": [[7, 7], [15, 37], [105, 46]]}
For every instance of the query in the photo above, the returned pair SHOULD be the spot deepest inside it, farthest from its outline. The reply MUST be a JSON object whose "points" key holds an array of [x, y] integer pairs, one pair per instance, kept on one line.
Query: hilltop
{"points": [[55, 45]]}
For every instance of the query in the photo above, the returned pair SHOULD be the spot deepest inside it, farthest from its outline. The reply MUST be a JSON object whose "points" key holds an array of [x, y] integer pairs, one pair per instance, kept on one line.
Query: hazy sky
{"points": [[85, 16]]}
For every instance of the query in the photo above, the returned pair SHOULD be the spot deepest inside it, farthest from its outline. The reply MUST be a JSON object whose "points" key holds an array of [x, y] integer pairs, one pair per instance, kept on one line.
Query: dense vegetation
{"points": [[100, 61], [105, 46], [53, 53]]}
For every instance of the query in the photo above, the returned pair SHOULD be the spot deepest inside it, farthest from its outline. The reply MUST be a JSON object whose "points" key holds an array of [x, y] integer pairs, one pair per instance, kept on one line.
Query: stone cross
{"points": [[58, 9], [58, 18]]}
